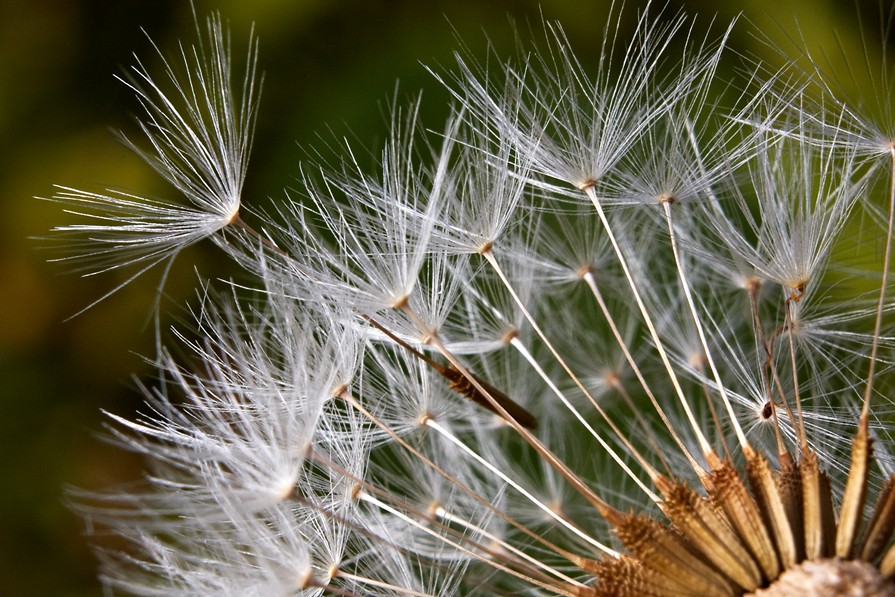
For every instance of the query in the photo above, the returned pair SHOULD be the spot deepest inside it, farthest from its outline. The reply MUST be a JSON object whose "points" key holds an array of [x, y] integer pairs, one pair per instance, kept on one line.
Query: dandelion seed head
{"points": [[582, 340]]}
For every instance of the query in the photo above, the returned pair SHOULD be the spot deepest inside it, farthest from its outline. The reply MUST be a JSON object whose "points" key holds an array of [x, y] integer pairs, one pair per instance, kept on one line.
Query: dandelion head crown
{"points": [[599, 335]]}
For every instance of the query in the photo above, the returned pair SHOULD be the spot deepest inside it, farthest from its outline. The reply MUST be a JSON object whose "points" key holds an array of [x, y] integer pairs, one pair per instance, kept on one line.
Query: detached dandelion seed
{"points": [[199, 135], [583, 341]]}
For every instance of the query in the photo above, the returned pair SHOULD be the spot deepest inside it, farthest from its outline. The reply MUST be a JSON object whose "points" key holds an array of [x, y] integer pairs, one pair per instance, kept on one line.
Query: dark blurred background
{"points": [[330, 65]]}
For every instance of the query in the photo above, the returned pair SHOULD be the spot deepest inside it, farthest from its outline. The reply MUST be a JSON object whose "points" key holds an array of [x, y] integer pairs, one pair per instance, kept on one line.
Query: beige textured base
{"points": [[826, 578]]}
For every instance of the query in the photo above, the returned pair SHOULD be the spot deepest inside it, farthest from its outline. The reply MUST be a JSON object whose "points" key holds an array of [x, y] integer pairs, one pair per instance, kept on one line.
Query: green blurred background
{"points": [[329, 65]]}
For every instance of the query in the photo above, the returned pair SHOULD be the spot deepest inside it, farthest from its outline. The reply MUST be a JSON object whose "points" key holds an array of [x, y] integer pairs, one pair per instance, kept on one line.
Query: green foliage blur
{"points": [[331, 70]]}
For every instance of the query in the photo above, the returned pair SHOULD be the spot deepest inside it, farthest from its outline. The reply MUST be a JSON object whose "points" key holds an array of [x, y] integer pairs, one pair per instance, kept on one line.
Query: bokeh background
{"points": [[331, 70]]}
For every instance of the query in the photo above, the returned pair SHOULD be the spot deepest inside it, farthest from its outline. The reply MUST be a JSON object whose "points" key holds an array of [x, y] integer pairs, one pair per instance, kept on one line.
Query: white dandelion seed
{"points": [[199, 135]]}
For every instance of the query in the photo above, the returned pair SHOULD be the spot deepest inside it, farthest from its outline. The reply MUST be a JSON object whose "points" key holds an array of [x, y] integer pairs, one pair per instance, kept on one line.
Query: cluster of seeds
{"points": [[598, 335]]}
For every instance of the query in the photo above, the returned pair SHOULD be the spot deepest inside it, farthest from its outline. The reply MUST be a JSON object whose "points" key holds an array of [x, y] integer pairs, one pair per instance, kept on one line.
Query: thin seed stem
{"points": [[685, 286], [539, 447], [489, 256], [660, 347], [559, 394], [328, 588], [507, 479], [592, 284], [355, 403], [882, 292], [238, 222], [716, 420], [752, 291], [533, 561], [803, 439], [362, 495], [379, 584], [364, 491], [855, 494]]}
